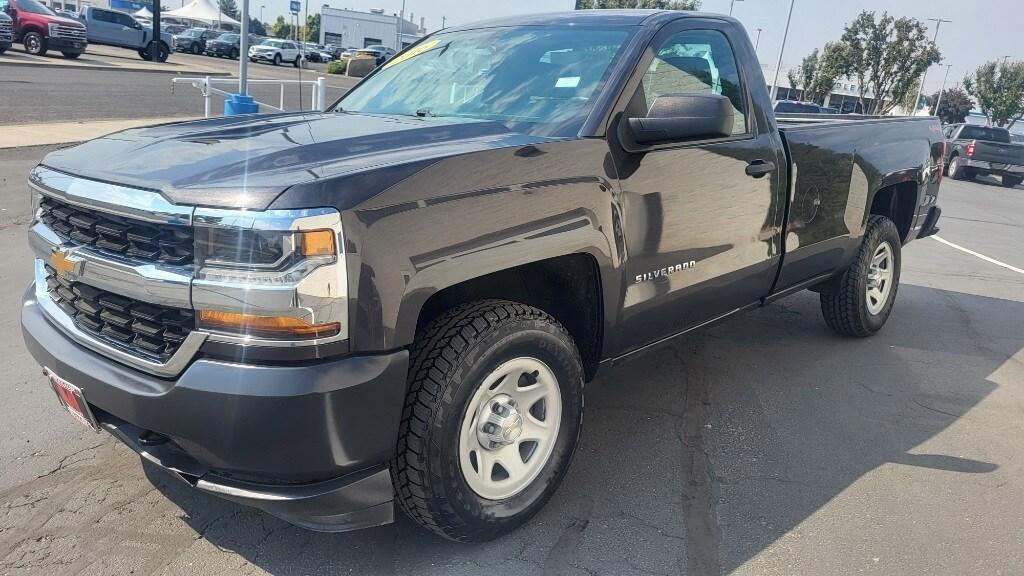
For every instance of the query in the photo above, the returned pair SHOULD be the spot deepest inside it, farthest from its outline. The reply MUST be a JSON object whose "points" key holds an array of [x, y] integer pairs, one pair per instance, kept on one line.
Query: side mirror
{"points": [[684, 117]]}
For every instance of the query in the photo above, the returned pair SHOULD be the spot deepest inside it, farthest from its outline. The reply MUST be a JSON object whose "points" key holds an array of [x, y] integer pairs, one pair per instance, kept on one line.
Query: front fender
{"points": [[502, 209]]}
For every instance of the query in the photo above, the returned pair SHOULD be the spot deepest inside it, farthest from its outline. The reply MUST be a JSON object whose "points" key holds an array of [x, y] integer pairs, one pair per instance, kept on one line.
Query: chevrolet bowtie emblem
{"points": [[65, 263]]}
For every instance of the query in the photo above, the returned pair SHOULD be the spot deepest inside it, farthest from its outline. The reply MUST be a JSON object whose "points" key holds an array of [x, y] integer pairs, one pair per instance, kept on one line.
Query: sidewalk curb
{"points": [[67, 133], [115, 69]]}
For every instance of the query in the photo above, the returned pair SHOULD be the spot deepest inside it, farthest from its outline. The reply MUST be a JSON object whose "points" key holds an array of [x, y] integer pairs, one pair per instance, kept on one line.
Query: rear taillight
{"points": [[970, 148]]}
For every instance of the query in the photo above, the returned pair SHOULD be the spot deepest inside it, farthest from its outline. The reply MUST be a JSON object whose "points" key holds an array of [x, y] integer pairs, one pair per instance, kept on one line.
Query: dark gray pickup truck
{"points": [[397, 301], [973, 150]]}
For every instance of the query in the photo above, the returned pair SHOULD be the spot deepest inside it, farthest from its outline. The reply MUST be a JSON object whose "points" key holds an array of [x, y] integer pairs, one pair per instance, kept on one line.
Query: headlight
{"points": [[53, 28], [270, 278]]}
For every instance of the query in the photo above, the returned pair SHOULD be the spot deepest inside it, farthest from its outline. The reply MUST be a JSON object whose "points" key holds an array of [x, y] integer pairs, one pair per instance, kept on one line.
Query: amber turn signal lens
{"points": [[318, 243], [272, 326]]}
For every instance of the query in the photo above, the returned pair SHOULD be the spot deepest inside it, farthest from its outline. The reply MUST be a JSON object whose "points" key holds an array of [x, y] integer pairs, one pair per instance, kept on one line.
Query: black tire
{"points": [[234, 54], [34, 44], [71, 55], [196, 48], [277, 59], [297, 60], [955, 170], [144, 54], [449, 361], [1011, 181], [844, 304], [3, 49]]}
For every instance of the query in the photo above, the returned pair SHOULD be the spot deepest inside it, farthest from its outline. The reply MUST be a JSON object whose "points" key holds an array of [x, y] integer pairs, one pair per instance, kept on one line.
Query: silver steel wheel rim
{"points": [[879, 278], [953, 164], [510, 427], [33, 43]]}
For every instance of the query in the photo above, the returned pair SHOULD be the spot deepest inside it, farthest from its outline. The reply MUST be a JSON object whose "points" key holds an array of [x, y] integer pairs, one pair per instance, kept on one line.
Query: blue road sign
{"points": [[296, 6]]}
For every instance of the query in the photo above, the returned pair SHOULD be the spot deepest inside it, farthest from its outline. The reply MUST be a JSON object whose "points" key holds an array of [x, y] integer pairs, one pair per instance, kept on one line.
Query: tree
{"points": [[281, 29], [999, 90], [955, 106], [648, 4], [888, 56], [229, 8], [311, 31], [256, 27], [817, 73]]}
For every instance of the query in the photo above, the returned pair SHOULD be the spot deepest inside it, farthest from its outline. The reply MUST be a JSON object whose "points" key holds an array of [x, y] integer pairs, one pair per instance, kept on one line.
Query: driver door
{"points": [[701, 214]]}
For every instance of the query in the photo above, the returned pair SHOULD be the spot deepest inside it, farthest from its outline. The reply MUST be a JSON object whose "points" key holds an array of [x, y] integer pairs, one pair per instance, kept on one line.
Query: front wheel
{"points": [[1011, 181], [196, 49], [861, 300], [491, 420], [71, 55], [34, 44], [3, 49], [234, 53], [277, 59], [297, 60]]}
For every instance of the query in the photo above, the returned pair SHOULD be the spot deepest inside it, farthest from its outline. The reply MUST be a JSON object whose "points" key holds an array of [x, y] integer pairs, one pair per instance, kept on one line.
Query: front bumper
{"points": [[308, 443], [262, 56], [218, 50], [994, 167], [66, 45]]}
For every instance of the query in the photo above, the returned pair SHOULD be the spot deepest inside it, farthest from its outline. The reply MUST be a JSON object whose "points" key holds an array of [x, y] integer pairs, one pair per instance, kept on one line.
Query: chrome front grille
{"points": [[6, 30], [141, 328], [70, 32], [144, 241]]}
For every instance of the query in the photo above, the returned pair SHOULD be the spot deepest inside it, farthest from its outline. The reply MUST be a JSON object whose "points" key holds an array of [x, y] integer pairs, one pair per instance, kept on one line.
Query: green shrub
{"points": [[337, 66]]}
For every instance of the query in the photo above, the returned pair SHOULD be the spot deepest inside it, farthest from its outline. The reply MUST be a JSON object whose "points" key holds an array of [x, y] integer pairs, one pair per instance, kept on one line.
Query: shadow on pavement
{"points": [[700, 455]]}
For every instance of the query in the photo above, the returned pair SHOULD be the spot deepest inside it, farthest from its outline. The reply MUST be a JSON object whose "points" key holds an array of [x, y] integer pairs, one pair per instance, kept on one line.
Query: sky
{"points": [[981, 30]]}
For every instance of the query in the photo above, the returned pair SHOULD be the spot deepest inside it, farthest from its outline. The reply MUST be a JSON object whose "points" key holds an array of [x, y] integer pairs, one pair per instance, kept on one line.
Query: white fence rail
{"points": [[317, 99]]}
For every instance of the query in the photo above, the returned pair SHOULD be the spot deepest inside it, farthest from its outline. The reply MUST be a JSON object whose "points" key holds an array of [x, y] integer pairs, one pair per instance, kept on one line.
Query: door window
{"points": [[102, 16], [696, 62]]}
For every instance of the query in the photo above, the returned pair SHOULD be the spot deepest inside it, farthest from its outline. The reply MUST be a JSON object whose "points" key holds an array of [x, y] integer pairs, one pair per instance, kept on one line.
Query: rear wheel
{"points": [[34, 43], [491, 421], [3, 49], [956, 170], [860, 301], [234, 53], [196, 48], [1011, 181]]}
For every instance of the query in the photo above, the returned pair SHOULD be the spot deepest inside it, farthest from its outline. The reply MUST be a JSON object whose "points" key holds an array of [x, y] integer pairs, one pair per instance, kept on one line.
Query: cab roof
{"points": [[616, 17]]}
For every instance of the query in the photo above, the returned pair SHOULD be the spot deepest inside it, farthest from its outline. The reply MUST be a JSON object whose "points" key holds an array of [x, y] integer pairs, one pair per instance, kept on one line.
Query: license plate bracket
{"points": [[72, 399]]}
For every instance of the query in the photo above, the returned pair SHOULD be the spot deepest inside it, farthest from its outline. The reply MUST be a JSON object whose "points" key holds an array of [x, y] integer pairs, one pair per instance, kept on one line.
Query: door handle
{"points": [[759, 168]]}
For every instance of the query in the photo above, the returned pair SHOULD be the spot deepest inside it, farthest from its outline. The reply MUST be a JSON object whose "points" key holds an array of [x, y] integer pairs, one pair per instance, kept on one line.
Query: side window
{"points": [[101, 15], [697, 61], [124, 20]]}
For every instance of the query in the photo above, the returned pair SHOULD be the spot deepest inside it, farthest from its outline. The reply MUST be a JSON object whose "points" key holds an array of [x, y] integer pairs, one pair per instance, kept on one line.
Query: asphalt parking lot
{"points": [[108, 91], [765, 445]]}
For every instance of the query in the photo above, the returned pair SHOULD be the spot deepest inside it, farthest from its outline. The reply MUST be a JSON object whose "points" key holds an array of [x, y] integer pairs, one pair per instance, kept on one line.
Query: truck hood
{"points": [[247, 161], [65, 21]]}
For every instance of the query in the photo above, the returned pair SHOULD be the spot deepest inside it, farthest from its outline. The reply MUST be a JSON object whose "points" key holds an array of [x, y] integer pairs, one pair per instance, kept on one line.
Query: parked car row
{"points": [[40, 29]]}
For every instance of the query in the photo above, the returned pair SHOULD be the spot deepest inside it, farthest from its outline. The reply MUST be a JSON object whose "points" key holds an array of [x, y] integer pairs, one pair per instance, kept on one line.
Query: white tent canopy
{"points": [[144, 13], [201, 10]]}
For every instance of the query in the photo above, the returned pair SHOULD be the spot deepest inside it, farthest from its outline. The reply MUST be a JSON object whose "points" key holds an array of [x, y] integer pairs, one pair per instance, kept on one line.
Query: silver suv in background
{"points": [[275, 51]]}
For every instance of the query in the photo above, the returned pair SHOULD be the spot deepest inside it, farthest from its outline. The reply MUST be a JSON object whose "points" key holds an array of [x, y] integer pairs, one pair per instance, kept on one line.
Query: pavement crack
{"points": [[703, 534]]}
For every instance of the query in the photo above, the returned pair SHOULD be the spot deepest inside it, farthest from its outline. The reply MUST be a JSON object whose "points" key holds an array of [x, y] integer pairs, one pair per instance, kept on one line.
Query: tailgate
{"points": [[998, 152]]}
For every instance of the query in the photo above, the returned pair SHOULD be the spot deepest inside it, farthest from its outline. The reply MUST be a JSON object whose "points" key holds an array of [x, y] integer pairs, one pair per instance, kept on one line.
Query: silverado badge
{"points": [[66, 263]]}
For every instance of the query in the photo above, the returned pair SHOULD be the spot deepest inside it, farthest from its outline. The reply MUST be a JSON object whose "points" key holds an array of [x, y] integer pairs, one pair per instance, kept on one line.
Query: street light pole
{"points": [[758, 41], [731, 4], [243, 53], [262, 6], [399, 27], [939, 99], [782, 50], [920, 87]]}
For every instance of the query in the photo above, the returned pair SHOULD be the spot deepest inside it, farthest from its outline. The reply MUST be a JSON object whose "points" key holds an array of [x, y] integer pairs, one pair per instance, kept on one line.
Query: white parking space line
{"points": [[982, 256]]}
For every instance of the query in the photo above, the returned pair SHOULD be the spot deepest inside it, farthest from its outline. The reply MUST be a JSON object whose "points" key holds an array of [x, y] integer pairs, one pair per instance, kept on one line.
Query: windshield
{"points": [[33, 7], [538, 80], [1001, 135], [228, 37], [192, 32], [273, 43]]}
